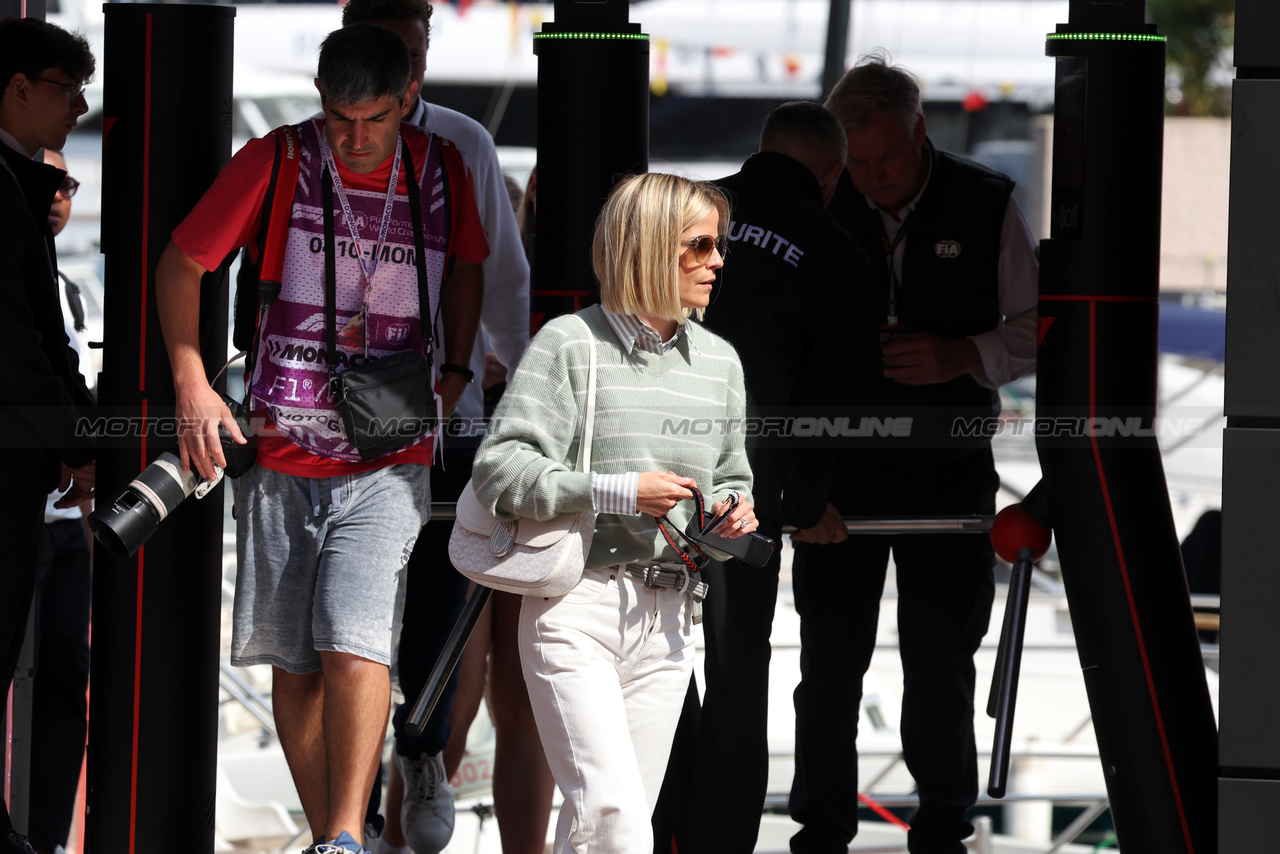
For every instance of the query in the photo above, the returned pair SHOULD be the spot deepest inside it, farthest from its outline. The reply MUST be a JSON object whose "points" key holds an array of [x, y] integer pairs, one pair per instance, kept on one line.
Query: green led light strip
{"points": [[1108, 37], [628, 36]]}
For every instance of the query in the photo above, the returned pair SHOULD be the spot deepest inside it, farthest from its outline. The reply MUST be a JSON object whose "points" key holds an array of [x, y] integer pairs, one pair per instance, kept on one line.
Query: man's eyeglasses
{"points": [[703, 245], [69, 186], [73, 90]]}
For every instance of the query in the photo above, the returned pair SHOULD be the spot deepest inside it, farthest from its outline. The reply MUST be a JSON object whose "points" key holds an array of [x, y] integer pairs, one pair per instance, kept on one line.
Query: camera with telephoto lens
{"points": [[130, 520]]}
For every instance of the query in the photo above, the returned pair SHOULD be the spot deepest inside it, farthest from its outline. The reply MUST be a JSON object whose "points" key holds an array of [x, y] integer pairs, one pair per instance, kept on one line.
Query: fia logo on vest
{"points": [[947, 249]]}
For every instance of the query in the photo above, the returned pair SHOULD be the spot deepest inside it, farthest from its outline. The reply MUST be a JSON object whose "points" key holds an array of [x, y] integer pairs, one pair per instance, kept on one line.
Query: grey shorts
{"points": [[321, 563]]}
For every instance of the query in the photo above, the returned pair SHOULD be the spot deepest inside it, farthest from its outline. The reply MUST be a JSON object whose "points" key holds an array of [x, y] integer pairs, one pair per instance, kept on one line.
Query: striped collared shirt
{"points": [[616, 493]]}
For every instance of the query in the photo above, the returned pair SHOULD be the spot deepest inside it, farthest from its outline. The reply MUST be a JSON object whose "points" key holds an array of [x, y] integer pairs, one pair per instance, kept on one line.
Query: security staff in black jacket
{"points": [[783, 300], [42, 71], [949, 317]]}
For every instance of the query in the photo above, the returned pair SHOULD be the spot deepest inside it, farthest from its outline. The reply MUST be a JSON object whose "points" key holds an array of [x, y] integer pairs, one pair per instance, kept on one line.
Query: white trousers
{"points": [[607, 666]]}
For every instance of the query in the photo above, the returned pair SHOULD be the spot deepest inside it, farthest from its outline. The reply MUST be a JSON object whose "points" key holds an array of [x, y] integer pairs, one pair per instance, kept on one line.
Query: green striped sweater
{"points": [[682, 411]]}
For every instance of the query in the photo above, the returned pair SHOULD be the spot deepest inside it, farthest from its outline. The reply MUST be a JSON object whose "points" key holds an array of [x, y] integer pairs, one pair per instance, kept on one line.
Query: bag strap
{"points": [[267, 249], [280, 191], [330, 273], [426, 319], [589, 411]]}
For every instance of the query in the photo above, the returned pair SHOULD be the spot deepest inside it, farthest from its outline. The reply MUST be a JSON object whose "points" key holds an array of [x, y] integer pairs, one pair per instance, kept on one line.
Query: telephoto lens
{"points": [[130, 520]]}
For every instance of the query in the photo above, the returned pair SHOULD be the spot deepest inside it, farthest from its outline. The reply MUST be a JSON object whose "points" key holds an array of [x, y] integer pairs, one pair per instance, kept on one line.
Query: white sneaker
{"points": [[426, 817]]}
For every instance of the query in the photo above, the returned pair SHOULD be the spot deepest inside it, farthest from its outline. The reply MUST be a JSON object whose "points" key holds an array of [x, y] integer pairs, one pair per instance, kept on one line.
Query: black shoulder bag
{"points": [[387, 403]]}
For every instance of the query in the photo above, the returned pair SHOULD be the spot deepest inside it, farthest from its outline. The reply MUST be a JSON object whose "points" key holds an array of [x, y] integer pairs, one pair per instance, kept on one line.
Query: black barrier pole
{"points": [[154, 678], [593, 128], [1249, 692], [1099, 307], [447, 662], [1004, 682]]}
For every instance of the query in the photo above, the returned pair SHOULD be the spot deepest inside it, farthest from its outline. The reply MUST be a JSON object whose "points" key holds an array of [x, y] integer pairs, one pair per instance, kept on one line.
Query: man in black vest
{"points": [[43, 69], [784, 302], [950, 317]]}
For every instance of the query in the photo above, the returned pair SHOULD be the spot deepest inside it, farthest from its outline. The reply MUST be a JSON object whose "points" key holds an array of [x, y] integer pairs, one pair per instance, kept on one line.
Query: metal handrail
{"points": [[779, 801], [254, 701], [961, 524], [1073, 830]]}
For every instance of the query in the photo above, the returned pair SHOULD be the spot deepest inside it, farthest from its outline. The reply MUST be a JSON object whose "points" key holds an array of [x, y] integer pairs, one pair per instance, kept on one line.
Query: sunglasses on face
{"points": [[703, 245], [69, 186]]}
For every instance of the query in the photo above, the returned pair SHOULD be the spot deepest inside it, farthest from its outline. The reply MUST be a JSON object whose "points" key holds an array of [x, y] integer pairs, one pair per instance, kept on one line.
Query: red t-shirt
{"points": [[226, 218]]}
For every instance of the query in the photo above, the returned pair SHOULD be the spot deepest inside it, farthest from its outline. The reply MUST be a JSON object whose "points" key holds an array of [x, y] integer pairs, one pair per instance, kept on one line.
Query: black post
{"points": [[593, 128], [23, 9], [1122, 568], [837, 44], [153, 733], [1249, 760]]}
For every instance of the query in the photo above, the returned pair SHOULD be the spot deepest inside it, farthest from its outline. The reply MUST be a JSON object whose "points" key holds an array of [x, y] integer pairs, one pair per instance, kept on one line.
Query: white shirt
{"points": [[504, 318], [9, 140], [1009, 350], [80, 343]]}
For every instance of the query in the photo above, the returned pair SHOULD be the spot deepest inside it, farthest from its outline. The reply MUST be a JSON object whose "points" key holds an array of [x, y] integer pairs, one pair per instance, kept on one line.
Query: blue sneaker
{"points": [[344, 844]]}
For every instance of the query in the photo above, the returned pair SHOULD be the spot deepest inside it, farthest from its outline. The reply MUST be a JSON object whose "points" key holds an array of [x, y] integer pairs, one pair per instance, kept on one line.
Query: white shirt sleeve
{"points": [[1009, 350], [616, 493]]}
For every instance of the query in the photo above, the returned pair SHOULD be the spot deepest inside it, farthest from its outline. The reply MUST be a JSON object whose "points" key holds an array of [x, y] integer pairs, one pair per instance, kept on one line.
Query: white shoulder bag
{"points": [[524, 555]]}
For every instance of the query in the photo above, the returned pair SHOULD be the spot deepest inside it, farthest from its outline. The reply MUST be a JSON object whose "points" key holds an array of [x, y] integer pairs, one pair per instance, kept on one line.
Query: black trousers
{"points": [[22, 508], [63, 596], [717, 778], [434, 598], [945, 590]]}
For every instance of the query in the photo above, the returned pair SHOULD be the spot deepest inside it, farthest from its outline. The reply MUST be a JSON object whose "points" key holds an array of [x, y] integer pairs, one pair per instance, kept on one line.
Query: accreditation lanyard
{"points": [[370, 266], [890, 250]]}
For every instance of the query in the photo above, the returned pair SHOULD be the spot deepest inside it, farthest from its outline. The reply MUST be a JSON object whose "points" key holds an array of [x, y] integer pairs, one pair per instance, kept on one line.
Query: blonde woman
{"points": [[607, 664]]}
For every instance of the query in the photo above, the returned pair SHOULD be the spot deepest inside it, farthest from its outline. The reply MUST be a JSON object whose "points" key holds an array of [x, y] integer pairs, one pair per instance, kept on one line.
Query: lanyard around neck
{"points": [[426, 320], [370, 266], [890, 250]]}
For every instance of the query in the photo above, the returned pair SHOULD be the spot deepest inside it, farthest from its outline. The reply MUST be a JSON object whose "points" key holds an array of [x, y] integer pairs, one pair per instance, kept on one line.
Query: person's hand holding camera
{"points": [[199, 411]]}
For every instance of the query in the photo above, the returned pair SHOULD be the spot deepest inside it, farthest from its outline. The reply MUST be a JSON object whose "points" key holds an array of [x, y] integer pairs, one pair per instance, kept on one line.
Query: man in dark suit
{"points": [[42, 70]]}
